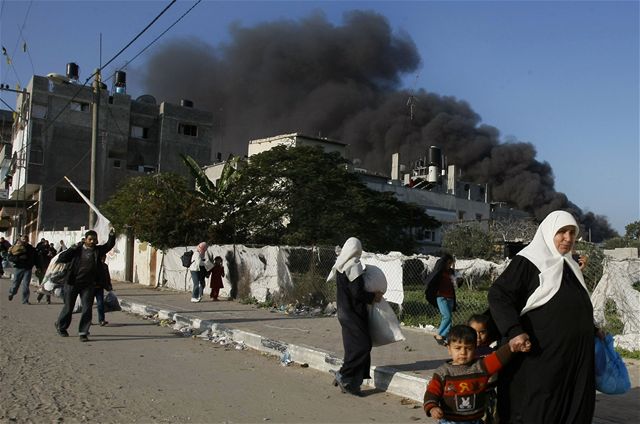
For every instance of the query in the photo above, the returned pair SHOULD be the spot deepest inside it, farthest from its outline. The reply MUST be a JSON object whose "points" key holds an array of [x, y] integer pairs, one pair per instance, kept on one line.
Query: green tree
{"points": [[159, 209], [302, 196], [217, 196], [630, 239], [468, 241], [632, 230]]}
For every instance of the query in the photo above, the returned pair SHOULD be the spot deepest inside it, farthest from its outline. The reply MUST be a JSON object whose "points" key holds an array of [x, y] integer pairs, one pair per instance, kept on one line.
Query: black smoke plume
{"points": [[344, 82]]}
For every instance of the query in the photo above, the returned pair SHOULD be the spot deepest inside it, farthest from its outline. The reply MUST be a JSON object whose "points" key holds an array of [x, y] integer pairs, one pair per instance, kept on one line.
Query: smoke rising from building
{"points": [[344, 82]]}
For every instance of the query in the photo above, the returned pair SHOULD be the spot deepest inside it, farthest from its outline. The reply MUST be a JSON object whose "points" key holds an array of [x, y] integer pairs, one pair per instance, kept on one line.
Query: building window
{"points": [[186, 129], [139, 132], [146, 169], [79, 106], [36, 157], [116, 163], [68, 194], [39, 111], [478, 217]]}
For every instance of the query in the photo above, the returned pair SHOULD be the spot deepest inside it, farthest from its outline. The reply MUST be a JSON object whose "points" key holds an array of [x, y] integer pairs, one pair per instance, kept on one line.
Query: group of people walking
{"points": [[202, 266], [544, 333], [86, 275]]}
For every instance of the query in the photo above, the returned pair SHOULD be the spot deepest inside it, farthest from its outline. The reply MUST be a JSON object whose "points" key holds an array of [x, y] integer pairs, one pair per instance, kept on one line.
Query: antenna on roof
{"points": [[413, 100]]}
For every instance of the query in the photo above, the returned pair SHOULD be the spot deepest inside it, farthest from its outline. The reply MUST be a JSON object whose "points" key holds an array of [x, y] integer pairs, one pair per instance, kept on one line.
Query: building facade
{"points": [[52, 139]]}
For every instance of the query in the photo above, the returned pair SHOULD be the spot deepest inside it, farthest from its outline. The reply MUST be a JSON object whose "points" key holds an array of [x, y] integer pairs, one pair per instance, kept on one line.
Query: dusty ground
{"points": [[136, 371]]}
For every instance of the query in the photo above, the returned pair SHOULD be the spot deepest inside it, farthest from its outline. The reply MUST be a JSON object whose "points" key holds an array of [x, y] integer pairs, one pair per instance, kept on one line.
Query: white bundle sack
{"points": [[49, 286], [383, 324], [374, 279]]}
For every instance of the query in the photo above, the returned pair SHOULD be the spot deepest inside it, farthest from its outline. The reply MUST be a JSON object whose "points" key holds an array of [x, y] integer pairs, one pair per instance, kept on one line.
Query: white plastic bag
{"points": [[78, 306], [374, 279], [383, 324]]}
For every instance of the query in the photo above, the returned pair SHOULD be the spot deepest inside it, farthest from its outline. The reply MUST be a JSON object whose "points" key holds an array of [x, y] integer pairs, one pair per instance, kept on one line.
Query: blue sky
{"points": [[563, 76]]}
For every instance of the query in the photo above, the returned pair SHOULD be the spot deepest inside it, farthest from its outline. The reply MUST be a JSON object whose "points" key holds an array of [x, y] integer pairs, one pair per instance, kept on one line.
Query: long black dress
{"points": [[554, 382], [352, 302]]}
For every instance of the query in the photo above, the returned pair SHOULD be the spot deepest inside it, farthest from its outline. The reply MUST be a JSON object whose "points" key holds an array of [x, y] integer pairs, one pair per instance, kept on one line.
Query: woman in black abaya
{"points": [[352, 300], [541, 302]]}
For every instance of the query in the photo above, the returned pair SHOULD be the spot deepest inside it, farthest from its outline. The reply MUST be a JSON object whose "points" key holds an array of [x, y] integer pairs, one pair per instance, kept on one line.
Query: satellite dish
{"points": [[58, 77], [147, 98]]}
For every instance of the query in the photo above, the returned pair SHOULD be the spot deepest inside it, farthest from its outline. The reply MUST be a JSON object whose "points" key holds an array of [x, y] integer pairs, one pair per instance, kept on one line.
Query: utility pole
{"points": [[94, 142]]}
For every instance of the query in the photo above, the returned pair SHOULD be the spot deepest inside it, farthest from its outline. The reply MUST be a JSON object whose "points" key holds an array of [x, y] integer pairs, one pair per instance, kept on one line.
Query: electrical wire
{"points": [[27, 51], [138, 36], [7, 105], [155, 39], [106, 64]]}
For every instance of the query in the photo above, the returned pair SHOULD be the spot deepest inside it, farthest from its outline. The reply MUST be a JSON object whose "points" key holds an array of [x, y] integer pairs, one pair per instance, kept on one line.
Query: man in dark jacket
{"points": [[4, 253], [81, 280], [23, 256]]}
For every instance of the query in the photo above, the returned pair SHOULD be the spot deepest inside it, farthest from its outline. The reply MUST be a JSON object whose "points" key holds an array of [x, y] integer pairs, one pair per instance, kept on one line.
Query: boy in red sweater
{"points": [[458, 390]]}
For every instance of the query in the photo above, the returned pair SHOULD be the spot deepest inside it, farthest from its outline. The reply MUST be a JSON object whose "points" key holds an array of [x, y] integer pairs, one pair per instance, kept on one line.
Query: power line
{"points": [[156, 39], [137, 36], [106, 64]]}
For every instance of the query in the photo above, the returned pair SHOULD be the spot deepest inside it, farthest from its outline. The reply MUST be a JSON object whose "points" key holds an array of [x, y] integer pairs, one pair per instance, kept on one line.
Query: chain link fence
{"points": [[309, 290]]}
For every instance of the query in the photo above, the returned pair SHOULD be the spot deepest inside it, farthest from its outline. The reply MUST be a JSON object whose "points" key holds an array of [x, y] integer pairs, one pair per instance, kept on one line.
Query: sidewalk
{"points": [[402, 368]]}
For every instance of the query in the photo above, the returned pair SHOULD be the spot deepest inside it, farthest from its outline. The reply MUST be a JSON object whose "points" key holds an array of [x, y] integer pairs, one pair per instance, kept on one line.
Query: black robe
{"points": [[555, 381], [352, 300]]}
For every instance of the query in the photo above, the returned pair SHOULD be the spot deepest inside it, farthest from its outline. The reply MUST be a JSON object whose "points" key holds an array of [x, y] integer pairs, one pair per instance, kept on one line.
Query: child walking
{"points": [[457, 391], [486, 337], [217, 272]]}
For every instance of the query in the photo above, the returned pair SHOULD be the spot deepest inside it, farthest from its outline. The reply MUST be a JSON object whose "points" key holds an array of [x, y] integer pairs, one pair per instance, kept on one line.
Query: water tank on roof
{"points": [[435, 164], [121, 82], [73, 71], [147, 98], [186, 103]]}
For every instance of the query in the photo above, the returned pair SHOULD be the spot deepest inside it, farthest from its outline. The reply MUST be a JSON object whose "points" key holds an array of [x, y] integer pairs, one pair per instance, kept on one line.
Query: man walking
{"points": [[4, 252], [85, 272], [23, 256]]}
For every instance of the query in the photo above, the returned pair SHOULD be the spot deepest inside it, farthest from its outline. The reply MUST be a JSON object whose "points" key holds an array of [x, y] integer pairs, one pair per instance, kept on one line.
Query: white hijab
{"points": [[348, 261], [542, 252]]}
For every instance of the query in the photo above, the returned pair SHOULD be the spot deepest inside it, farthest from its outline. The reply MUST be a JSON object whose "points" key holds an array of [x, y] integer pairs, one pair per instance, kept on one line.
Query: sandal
{"points": [[441, 341]]}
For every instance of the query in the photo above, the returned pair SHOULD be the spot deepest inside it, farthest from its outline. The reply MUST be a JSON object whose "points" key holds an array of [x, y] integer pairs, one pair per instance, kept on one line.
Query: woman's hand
{"points": [[520, 343], [378, 297], [583, 261]]}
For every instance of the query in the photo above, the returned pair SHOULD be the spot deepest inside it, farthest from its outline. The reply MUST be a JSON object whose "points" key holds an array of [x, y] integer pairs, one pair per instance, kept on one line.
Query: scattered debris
{"points": [[285, 361]]}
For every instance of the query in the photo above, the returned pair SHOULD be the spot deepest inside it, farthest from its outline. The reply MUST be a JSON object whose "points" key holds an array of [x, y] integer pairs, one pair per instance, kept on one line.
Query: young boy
{"points": [[480, 323], [457, 391]]}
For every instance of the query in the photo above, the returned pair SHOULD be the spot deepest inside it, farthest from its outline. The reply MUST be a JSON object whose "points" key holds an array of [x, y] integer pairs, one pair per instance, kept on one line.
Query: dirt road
{"points": [[137, 371]]}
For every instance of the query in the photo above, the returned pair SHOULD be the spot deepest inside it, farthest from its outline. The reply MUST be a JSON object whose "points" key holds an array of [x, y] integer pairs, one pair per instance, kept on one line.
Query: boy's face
{"points": [[461, 353], [481, 331]]}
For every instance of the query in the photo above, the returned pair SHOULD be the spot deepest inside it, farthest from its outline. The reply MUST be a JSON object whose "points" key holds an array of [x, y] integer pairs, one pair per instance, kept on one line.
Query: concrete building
{"points": [[213, 172], [52, 139], [429, 183]]}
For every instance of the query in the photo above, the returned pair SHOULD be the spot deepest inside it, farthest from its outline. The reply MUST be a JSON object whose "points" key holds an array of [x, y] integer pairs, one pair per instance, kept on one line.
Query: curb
{"points": [[386, 379]]}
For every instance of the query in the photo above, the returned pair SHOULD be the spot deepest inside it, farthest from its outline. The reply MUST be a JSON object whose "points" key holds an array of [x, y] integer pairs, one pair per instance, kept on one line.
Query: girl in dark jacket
{"points": [[440, 292]]}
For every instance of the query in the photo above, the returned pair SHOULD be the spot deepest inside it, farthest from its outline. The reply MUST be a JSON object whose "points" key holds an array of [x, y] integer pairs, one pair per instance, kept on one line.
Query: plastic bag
{"points": [[383, 324], [111, 303], [612, 377], [374, 279], [78, 306], [57, 271]]}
